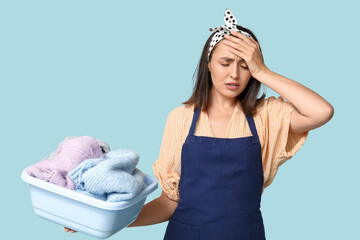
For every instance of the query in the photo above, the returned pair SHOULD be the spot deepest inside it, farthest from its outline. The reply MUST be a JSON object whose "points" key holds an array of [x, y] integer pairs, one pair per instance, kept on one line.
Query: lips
{"points": [[232, 87], [232, 84]]}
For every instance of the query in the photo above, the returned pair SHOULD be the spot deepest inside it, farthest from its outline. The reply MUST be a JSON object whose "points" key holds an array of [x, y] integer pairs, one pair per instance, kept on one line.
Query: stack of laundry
{"points": [[88, 166]]}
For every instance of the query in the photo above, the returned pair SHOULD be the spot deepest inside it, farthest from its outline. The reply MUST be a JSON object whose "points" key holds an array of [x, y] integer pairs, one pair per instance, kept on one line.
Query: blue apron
{"points": [[220, 188]]}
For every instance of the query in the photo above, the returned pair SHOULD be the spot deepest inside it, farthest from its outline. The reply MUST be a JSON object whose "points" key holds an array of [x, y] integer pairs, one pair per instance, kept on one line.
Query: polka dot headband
{"points": [[230, 25]]}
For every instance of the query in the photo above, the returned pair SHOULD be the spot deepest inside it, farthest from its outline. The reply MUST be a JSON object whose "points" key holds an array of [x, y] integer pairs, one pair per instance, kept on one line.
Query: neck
{"points": [[219, 101]]}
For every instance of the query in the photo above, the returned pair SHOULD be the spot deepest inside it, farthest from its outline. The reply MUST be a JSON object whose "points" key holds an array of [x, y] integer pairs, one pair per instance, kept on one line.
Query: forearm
{"points": [[153, 212]]}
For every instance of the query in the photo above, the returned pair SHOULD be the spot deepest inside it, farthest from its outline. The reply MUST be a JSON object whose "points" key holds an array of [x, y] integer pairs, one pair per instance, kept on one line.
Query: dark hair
{"points": [[202, 89]]}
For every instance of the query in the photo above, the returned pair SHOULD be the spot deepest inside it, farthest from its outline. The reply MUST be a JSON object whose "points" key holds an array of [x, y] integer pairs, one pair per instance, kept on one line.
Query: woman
{"points": [[224, 146]]}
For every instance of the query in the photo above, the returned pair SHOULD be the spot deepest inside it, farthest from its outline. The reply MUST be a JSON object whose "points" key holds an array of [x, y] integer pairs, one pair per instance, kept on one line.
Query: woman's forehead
{"points": [[220, 50]]}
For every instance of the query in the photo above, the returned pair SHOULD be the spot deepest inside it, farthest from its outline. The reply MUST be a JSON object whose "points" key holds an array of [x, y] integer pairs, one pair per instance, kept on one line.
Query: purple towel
{"points": [[69, 154]]}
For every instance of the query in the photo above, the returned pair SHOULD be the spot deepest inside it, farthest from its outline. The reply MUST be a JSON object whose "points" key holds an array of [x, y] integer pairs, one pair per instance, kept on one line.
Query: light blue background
{"points": [[114, 70]]}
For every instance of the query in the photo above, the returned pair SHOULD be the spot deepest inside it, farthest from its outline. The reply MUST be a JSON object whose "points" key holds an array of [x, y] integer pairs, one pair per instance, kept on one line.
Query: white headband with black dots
{"points": [[230, 25]]}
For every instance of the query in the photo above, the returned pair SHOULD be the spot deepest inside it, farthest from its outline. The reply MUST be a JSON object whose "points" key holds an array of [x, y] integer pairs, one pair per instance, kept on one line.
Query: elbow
{"points": [[325, 115], [329, 113]]}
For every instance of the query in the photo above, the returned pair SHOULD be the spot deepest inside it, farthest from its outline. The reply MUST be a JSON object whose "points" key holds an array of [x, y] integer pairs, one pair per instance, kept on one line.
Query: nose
{"points": [[235, 70]]}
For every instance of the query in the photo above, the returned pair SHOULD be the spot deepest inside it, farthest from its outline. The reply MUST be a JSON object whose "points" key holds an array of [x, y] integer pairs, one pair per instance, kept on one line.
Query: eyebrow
{"points": [[231, 59]]}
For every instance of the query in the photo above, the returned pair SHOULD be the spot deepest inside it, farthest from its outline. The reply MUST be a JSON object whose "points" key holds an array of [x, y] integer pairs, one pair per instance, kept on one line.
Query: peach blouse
{"points": [[272, 124]]}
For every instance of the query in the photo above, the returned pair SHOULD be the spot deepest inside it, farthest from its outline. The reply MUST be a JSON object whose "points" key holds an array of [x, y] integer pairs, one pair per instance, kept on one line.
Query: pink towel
{"points": [[69, 154]]}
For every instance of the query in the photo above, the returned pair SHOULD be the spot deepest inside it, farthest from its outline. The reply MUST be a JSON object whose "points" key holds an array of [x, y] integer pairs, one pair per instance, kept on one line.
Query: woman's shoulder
{"points": [[273, 99], [269, 99], [271, 102], [181, 112], [179, 118], [272, 110]]}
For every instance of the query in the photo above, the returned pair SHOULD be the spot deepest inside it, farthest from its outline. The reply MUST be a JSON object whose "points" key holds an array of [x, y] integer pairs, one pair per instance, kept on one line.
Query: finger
{"points": [[238, 34], [66, 229], [73, 231], [236, 52], [242, 45], [256, 43], [253, 40], [243, 37], [239, 41], [233, 38], [237, 46]]}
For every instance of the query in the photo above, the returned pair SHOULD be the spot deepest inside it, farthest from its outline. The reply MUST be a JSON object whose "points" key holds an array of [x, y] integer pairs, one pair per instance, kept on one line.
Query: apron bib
{"points": [[220, 188]]}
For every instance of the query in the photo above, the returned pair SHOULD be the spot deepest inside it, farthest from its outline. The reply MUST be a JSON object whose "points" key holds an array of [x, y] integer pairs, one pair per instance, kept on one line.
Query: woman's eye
{"points": [[229, 64]]}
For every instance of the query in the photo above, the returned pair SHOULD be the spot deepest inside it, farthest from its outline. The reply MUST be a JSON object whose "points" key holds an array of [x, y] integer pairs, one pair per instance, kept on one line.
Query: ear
{"points": [[208, 67]]}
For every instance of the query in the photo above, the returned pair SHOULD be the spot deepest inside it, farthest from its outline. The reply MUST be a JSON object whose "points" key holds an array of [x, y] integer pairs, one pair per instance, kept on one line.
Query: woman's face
{"points": [[226, 67]]}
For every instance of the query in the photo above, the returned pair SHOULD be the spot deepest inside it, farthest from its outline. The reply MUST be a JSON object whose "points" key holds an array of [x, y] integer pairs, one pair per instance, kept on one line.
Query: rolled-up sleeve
{"points": [[164, 166], [280, 144]]}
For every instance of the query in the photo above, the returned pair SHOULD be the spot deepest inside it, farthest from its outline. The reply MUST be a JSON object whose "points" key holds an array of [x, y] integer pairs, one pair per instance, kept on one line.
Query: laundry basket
{"points": [[83, 213]]}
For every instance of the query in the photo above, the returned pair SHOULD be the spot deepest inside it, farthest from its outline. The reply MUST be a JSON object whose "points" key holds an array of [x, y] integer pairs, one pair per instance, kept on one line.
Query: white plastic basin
{"points": [[83, 213]]}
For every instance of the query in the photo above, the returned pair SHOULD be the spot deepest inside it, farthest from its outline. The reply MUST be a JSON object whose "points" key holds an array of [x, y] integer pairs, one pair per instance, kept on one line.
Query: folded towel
{"points": [[69, 154], [113, 178]]}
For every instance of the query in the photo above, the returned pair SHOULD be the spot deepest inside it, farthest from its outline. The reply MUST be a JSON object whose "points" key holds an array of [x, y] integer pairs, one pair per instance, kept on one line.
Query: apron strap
{"points": [[252, 126], [249, 119], [194, 121]]}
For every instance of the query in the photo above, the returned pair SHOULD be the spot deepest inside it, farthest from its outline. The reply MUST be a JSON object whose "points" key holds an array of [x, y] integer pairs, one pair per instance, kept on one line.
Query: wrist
{"points": [[260, 74]]}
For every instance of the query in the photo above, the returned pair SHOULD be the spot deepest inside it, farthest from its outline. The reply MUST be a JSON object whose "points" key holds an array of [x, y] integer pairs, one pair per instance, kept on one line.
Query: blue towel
{"points": [[113, 178]]}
